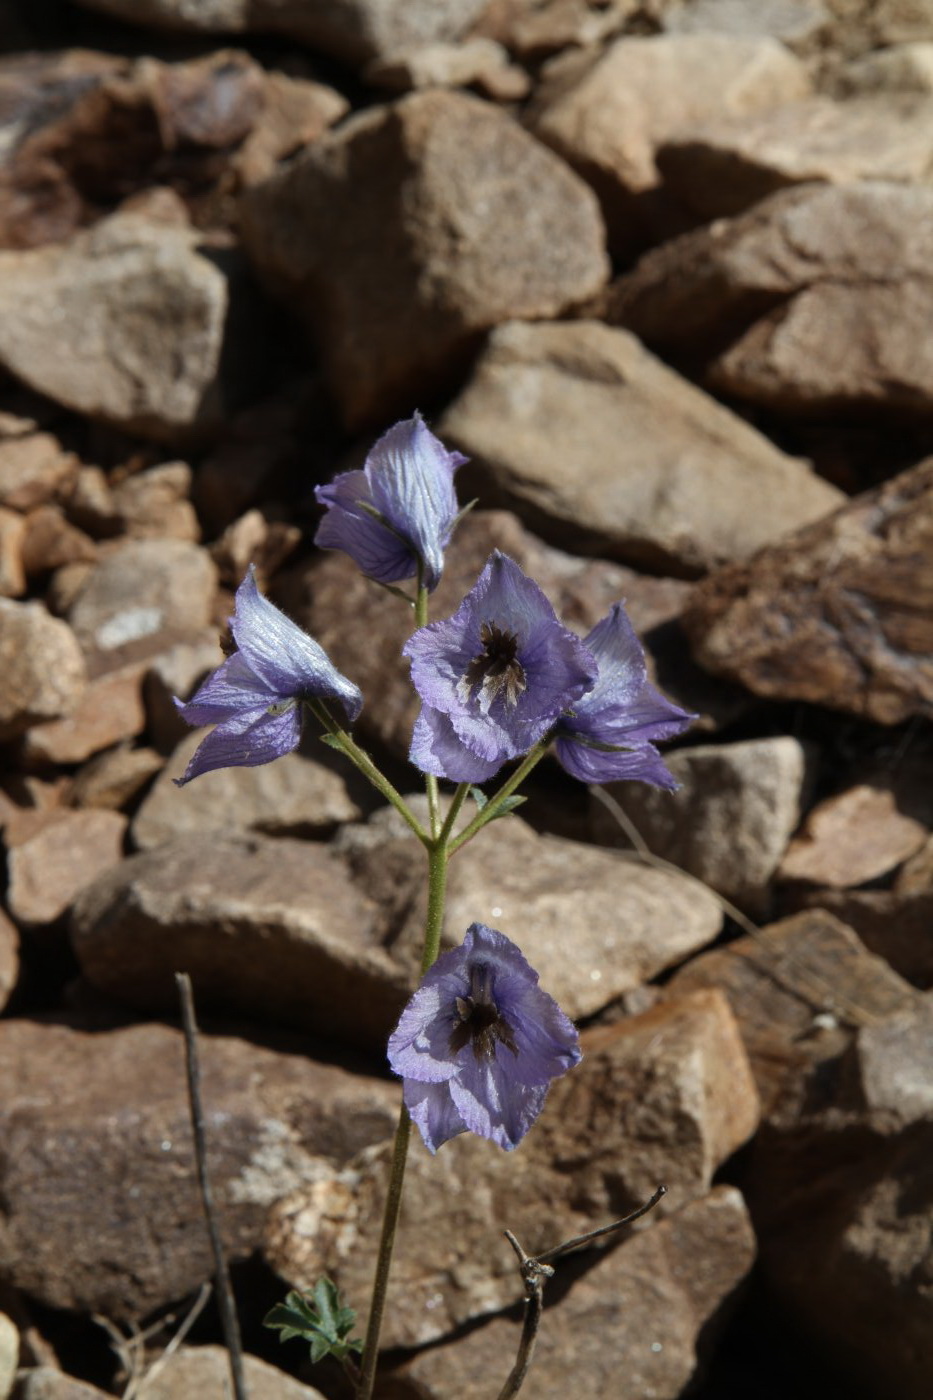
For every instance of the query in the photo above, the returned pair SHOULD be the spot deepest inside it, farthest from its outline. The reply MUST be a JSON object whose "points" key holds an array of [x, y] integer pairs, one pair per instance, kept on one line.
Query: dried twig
{"points": [[535, 1273], [225, 1303]]}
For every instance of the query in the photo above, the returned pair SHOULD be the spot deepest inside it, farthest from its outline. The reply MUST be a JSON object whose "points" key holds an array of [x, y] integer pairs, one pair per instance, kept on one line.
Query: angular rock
{"points": [[840, 615], [9, 1355], [894, 925], [898, 69], [12, 570], [585, 432], [154, 504], [795, 22], [205, 1372], [853, 837], [101, 1205], [535, 28], [141, 598], [179, 671], [50, 541], [917, 874], [124, 323], [113, 779], [42, 669], [295, 112], [610, 1334], [9, 967], [727, 165], [295, 796], [608, 117], [466, 221], [111, 709], [48, 870], [33, 467], [49, 1383], [89, 502], [820, 294], [269, 929], [729, 823], [252, 539], [663, 1097], [479, 61]]}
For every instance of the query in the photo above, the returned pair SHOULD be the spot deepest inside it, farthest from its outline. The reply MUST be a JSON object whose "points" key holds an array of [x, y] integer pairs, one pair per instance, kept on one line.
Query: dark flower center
{"points": [[479, 1019], [496, 669]]}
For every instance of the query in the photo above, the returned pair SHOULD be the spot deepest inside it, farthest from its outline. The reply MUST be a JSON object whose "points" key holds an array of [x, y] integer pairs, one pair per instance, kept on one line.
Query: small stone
{"points": [[853, 837], [895, 1067], [205, 1372], [900, 68], [42, 669], [48, 1383], [480, 62], [917, 875], [49, 869], [12, 571], [295, 113], [51, 541], [9, 976], [252, 539], [90, 503], [179, 671], [113, 779], [154, 504], [796, 23], [111, 709], [33, 467], [9, 1342], [894, 925]]}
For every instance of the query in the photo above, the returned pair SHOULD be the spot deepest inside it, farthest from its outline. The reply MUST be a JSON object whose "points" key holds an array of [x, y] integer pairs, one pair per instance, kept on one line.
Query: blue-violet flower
{"points": [[398, 511], [255, 697], [608, 735], [494, 677], [479, 1043]]}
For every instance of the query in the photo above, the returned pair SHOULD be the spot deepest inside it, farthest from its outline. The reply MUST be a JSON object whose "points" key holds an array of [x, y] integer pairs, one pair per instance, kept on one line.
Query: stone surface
{"points": [[729, 823], [480, 62], [154, 504], [839, 615], [12, 570], [179, 671], [536, 28], [485, 224], [205, 1372], [124, 323], [48, 870], [608, 117], [853, 837], [795, 22], [113, 779], [110, 709], [629, 1327], [252, 539], [894, 925], [269, 929], [50, 540], [900, 68], [9, 1355], [33, 466], [917, 873], [101, 1206], [663, 1097], [9, 969], [725, 166], [585, 432], [42, 670], [295, 796], [141, 598], [820, 293], [295, 112], [49, 1383]]}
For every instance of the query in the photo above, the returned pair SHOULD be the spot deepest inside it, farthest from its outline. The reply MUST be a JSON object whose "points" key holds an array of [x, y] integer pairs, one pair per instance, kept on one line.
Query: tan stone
{"points": [[42, 670], [252, 539], [154, 504], [33, 467], [49, 869], [50, 540], [895, 925], [295, 112], [480, 62], [853, 837], [113, 779], [12, 572], [9, 972], [111, 709], [49, 1383], [205, 1372], [9, 1354]]}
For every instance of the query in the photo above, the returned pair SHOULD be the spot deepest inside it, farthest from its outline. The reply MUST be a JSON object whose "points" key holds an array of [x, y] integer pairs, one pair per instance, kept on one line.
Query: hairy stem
{"points": [[361, 760], [511, 785]]}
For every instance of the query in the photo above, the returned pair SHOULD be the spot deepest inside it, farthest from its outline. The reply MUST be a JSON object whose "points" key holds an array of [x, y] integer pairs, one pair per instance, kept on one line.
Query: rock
{"points": [[820, 294], [535, 28], [895, 1067], [51, 541], [295, 796], [917, 874], [853, 837], [102, 1211], [797, 23], [205, 1372], [608, 117], [124, 323], [47, 870], [9, 976], [729, 823], [142, 597], [838, 615], [898, 69], [154, 504], [610, 1334], [12, 571], [350, 30], [479, 61], [89, 501], [730, 163], [42, 670], [252, 539], [594, 440], [467, 221], [295, 113], [32, 468], [662, 1097], [111, 709], [113, 779], [49, 1383], [894, 925], [179, 671], [269, 929], [9, 1355]]}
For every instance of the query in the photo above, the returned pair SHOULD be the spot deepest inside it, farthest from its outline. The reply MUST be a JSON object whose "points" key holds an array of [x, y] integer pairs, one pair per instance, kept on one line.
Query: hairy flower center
{"points": [[479, 1018], [496, 669]]}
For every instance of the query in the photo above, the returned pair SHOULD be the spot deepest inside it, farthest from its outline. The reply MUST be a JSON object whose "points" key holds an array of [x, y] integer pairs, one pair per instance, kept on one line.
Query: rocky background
{"points": [[663, 270]]}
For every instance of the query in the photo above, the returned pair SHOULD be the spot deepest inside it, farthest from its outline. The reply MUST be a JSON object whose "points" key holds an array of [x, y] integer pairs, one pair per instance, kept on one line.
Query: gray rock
{"points": [[900, 68], [9, 1355], [42, 669], [795, 22], [49, 1383], [47, 870], [581, 429], [403, 236], [205, 1372]]}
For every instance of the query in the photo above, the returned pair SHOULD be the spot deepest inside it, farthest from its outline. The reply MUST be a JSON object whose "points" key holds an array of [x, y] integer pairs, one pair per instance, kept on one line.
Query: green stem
{"points": [[437, 889], [531, 759], [364, 763], [457, 801]]}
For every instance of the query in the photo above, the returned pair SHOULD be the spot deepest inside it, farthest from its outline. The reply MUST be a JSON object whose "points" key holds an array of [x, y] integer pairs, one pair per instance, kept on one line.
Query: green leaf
{"points": [[318, 1319], [479, 797], [332, 742]]}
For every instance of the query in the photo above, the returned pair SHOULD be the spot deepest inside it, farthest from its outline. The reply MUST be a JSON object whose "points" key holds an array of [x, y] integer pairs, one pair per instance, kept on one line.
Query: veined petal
{"points": [[436, 748], [246, 740], [434, 1112], [410, 474], [593, 765], [493, 1104], [233, 687], [377, 551]]}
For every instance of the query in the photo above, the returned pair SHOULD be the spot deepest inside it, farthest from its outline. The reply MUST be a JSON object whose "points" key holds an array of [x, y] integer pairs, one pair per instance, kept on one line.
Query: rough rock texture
{"points": [[647, 1301], [42, 670], [661, 1097], [853, 837], [47, 870], [32, 467], [9, 1355], [110, 709], [112, 779], [179, 671], [900, 68], [101, 1204], [49, 1383], [466, 221], [205, 1372], [797, 23], [480, 62], [820, 295], [895, 925], [841, 615], [729, 823], [589, 435], [9, 962], [12, 570], [608, 117]]}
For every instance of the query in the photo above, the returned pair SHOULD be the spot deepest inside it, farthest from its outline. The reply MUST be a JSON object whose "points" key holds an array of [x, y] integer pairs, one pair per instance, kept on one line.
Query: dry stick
{"points": [[228, 1317], [535, 1273]]}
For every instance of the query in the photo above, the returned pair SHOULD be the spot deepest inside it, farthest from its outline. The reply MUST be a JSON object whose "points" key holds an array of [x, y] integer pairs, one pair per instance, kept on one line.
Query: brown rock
{"points": [[587, 434], [48, 1383], [797, 23], [9, 1354], [295, 113], [252, 539], [47, 870], [270, 929], [89, 501], [113, 779], [917, 874], [110, 709], [154, 504], [179, 671], [42, 670], [663, 1097], [536, 28], [466, 221], [32, 468], [205, 1372], [102, 1211], [9, 971], [608, 117], [478, 62], [898, 69], [610, 1334], [839, 615], [12, 571], [853, 837], [50, 541], [894, 925]]}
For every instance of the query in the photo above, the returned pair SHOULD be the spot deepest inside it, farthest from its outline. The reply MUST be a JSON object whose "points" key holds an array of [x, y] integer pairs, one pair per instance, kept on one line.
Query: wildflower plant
{"points": [[501, 681]]}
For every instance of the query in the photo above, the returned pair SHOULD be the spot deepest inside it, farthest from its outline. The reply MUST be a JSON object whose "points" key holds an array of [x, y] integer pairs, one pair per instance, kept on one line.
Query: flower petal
{"points": [[246, 740], [410, 473], [493, 1103], [434, 1111], [376, 550], [436, 748], [233, 687], [591, 765]]}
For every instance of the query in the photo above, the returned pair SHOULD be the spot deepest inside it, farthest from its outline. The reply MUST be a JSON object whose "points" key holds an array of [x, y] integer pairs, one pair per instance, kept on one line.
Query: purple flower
{"points": [[494, 678], [399, 510], [255, 697], [623, 710], [479, 1043]]}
